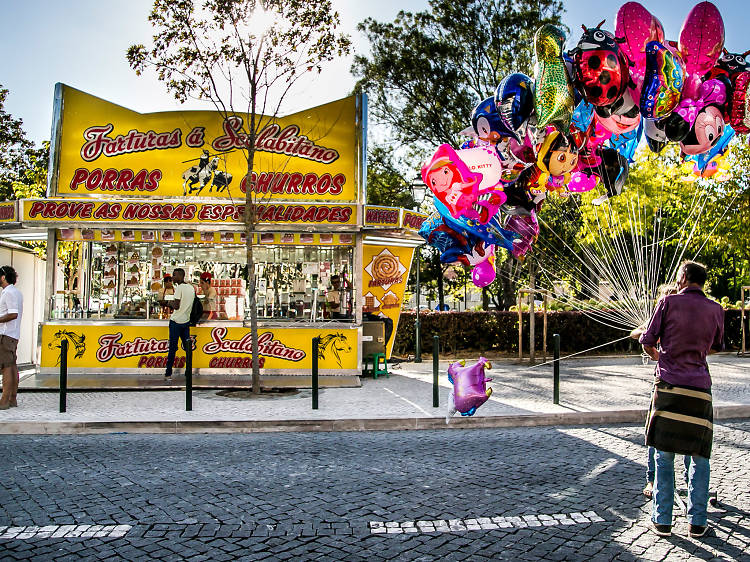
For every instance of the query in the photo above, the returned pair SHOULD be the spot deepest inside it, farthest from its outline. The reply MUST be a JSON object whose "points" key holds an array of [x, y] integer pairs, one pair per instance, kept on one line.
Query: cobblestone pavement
{"points": [[512, 494]]}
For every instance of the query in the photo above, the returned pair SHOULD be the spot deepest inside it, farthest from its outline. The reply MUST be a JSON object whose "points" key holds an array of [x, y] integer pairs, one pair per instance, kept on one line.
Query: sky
{"points": [[82, 43]]}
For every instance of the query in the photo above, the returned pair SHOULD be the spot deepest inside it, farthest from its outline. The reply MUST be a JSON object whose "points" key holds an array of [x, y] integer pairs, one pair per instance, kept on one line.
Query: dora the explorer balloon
{"points": [[451, 181], [556, 159]]}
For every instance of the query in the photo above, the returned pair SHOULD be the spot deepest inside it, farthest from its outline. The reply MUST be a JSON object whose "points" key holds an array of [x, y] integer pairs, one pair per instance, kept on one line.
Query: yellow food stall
{"points": [[133, 196]]}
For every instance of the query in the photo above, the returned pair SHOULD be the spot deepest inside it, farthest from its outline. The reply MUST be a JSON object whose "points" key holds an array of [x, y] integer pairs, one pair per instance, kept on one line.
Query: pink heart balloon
{"points": [[701, 38], [637, 26]]}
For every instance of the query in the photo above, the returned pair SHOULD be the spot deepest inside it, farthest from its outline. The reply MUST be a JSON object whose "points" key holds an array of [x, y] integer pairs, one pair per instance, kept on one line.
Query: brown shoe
{"points": [[14, 403], [4, 406]]}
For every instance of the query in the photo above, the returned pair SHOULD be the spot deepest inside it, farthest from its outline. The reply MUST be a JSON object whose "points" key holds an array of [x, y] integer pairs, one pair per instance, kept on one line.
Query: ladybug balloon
{"points": [[733, 63], [600, 67]]}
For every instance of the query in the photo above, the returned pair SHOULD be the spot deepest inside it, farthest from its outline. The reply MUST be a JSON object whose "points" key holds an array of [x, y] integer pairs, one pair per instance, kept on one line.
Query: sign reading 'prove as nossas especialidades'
{"points": [[108, 150]]}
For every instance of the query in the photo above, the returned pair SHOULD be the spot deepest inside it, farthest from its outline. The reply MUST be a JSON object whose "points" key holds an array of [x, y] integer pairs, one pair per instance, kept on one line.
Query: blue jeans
{"points": [[697, 505], [651, 466], [176, 332]]}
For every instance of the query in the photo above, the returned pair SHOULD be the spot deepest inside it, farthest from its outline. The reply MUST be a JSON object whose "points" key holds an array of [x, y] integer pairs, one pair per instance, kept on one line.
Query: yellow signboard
{"points": [[104, 149], [90, 212], [412, 220], [132, 347], [384, 278], [8, 212], [388, 217], [205, 237]]}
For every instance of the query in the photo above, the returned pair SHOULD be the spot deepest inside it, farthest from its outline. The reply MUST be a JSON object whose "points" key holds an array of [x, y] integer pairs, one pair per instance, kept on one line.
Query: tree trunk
{"points": [[509, 282], [251, 216]]}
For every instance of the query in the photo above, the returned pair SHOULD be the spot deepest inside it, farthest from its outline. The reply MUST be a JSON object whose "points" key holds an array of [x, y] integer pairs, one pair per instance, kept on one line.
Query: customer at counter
{"points": [[210, 306], [179, 321]]}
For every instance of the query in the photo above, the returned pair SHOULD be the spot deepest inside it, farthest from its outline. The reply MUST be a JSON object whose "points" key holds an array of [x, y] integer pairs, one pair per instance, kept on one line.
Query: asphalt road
{"points": [[515, 494]]}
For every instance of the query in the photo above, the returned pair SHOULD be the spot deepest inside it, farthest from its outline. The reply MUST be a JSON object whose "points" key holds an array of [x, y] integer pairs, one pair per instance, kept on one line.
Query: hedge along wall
{"points": [[497, 331]]}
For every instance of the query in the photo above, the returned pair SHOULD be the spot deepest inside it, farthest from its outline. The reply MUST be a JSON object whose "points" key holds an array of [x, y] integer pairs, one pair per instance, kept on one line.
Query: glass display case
{"points": [[125, 279], [294, 282]]}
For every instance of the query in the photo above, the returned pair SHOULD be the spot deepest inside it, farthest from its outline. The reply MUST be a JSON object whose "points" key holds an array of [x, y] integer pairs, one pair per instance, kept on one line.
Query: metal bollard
{"points": [[435, 371], [556, 377], [189, 377], [315, 344], [64, 375]]}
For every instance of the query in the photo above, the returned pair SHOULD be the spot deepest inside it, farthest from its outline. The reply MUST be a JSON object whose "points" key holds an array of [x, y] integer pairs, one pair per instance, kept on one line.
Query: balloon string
{"points": [[573, 354]]}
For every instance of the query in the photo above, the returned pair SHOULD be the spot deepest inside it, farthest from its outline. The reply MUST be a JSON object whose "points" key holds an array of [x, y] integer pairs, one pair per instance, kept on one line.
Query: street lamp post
{"points": [[418, 190]]}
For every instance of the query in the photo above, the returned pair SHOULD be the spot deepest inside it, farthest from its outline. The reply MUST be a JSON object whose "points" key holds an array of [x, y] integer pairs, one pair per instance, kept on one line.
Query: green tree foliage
{"points": [[15, 150], [243, 56], [32, 175], [386, 185], [428, 70]]}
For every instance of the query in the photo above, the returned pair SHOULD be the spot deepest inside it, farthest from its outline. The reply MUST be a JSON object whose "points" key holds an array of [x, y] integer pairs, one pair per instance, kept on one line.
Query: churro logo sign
{"points": [[274, 139], [385, 269], [268, 346]]}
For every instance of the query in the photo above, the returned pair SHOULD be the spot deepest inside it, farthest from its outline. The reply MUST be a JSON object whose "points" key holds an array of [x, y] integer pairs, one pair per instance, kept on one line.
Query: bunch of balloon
{"points": [[574, 127]]}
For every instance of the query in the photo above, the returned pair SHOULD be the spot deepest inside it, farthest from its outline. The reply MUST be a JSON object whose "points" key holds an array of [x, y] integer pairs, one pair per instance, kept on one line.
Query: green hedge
{"points": [[497, 331]]}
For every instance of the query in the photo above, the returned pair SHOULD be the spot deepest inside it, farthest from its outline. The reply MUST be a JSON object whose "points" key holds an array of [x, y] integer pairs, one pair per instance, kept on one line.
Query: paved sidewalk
{"points": [[592, 390]]}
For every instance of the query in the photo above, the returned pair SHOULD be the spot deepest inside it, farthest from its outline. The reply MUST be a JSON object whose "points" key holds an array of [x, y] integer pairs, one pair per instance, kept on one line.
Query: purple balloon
{"points": [[469, 385]]}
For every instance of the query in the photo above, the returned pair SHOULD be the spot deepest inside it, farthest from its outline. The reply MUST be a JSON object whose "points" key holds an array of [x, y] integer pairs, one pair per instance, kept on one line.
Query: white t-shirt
{"points": [[185, 293], [11, 300]]}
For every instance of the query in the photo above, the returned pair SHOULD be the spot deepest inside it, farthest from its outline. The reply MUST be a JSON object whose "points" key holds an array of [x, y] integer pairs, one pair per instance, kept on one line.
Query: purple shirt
{"points": [[686, 326]]}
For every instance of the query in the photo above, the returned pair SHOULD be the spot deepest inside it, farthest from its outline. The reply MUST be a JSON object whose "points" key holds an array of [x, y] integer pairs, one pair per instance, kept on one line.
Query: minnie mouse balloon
{"points": [[553, 94]]}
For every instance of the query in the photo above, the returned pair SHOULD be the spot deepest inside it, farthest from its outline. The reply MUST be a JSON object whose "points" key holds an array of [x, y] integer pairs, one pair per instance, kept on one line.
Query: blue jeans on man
{"points": [[698, 477], [177, 332], [651, 466]]}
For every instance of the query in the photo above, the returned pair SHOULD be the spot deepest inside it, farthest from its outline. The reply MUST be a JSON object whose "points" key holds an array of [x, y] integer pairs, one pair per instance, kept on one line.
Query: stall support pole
{"points": [[63, 375], [556, 376], [435, 371], [417, 322], [189, 377], [743, 351], [315, 344]]}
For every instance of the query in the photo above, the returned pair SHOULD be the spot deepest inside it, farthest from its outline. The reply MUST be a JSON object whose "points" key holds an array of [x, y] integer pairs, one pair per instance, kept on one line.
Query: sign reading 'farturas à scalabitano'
{"points": [[107, 150]]}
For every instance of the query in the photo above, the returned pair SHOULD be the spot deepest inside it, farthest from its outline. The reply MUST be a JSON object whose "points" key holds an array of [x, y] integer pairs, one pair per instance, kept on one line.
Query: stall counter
{"points": [[140, 346]]}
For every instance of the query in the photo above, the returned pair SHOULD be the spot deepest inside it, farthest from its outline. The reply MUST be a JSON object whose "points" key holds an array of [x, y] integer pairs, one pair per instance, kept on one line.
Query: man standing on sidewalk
{"points": [[179, 321], [11, 309], [686, 327]]}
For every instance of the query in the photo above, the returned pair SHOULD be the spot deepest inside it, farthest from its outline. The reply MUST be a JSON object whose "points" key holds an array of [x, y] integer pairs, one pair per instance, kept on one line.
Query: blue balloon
{"points": [[583, 115], [490, 232], [514, 102], [448, 242], [487, 123], [627, 143]]}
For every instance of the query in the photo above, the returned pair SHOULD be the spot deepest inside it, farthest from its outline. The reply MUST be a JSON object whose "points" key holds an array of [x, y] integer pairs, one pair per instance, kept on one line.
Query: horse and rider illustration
{"points": [[198, 176]]}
